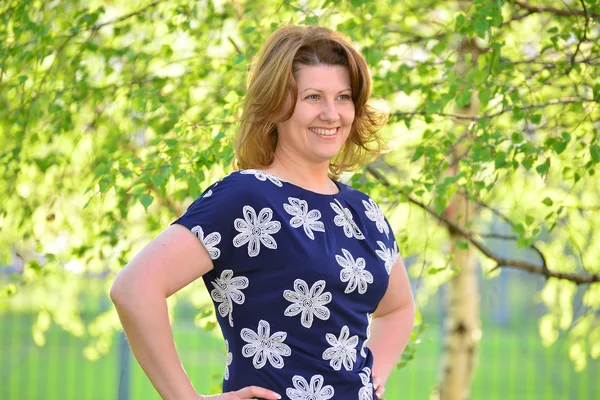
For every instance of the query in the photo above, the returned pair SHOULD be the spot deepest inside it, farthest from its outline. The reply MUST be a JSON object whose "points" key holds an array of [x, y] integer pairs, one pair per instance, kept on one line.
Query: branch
{"points": [[552, 102], [237, 48], [500, 261], [126, 16], [555, 11], [581, 39]]}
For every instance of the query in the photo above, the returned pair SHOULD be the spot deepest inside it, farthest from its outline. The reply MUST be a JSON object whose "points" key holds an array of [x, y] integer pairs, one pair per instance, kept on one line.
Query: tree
{"points": [[113, 116]]}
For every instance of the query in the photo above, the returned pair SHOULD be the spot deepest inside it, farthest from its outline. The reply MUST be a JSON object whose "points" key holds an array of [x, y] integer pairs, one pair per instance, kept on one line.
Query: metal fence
{"points": [[512, 362]]}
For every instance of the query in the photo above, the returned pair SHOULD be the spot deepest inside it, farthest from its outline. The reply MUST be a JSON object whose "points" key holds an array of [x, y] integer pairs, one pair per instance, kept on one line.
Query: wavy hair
{"points": [[272, 77]]}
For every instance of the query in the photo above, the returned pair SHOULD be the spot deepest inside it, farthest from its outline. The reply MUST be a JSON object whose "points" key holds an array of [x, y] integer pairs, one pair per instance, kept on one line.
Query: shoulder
{"points": [[362, 201], [355, 195], [237, 189]]}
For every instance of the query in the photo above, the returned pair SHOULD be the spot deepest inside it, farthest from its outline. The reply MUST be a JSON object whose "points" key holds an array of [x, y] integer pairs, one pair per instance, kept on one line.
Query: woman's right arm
{"points": [[168, 263]]}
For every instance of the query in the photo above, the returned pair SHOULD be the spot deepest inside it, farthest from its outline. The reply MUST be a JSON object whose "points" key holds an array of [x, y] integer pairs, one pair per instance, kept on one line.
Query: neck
{"points": [[311, 176]]}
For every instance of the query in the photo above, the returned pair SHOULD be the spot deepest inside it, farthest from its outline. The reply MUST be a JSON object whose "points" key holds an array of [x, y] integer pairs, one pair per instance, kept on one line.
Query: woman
{"points": [[302, 269]]}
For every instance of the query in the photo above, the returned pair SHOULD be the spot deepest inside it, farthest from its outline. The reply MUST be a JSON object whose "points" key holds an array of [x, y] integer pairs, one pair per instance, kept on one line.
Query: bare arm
{"points": [[392, 325], [168, 263]]}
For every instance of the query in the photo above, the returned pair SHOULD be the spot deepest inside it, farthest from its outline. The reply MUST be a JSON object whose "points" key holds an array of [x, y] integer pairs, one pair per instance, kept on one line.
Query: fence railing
{"points": [[512, 365]]}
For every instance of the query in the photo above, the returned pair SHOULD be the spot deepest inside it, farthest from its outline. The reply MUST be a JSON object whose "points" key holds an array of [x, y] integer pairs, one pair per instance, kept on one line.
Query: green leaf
{"points": [[146, 200], [232, 97], [419, 151], [536, 118], [157, 180], [484, 95], [559, 146], [435, 271], [462, 244], [548, 201], [542, 169], [529, 220], [595, 153], [463, 98], [500, 160], [519, 228], [194, 188], [101, 169]]}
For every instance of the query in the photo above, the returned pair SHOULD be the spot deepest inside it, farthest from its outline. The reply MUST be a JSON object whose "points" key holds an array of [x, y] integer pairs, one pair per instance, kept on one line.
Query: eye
{"points": [[345, 97], [312, 97]]}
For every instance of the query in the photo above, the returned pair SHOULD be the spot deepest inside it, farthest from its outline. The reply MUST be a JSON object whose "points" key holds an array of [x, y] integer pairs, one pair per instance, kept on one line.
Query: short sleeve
{"points": [[211, 219]]}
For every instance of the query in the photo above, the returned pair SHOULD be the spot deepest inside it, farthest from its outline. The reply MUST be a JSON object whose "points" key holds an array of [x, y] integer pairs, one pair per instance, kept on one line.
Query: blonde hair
{"points": [[273, 75]]}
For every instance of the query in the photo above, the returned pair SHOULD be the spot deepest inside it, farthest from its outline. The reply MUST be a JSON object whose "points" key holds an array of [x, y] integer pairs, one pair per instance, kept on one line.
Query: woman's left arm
{"points": [[391, 326]]}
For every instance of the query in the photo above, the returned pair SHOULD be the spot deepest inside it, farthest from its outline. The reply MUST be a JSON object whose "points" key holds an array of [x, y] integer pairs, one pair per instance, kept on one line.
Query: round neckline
{"points": [[338, 184]]}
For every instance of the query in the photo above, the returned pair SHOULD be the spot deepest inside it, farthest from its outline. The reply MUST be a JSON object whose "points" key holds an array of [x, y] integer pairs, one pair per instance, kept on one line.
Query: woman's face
{"points": [[323, 116]]}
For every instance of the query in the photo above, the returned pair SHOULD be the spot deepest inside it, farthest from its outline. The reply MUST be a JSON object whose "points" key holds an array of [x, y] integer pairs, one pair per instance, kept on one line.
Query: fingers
{"points": [[378, 387], [251, 392]]}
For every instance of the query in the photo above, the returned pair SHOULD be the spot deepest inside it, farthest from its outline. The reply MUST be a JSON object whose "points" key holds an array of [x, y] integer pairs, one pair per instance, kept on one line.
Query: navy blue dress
{"points": [[296, 276]]}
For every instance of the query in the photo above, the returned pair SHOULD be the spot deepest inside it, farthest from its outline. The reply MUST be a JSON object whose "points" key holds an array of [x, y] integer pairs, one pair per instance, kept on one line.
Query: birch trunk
{"points": [[462, 322]]}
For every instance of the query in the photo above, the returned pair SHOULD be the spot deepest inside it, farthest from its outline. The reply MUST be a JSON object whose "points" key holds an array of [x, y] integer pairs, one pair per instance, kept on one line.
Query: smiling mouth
{"points": [[324, 132]]}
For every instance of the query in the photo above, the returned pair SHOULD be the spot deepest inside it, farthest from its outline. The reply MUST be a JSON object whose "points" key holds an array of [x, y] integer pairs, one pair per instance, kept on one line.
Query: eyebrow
{"points": [[320, 91]]}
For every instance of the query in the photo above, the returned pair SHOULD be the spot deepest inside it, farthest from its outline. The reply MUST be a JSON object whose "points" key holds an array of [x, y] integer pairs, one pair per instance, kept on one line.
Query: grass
{"points": [[512, 365]]}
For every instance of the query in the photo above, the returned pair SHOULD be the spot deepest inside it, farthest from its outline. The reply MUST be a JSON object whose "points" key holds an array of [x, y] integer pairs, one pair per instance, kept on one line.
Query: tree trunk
{"points": [[462, 325]]}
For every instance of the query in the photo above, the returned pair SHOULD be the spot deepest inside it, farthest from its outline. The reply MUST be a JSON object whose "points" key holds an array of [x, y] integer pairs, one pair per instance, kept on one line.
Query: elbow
{"points": [[117, 293], [130, 288], [123, 289]]}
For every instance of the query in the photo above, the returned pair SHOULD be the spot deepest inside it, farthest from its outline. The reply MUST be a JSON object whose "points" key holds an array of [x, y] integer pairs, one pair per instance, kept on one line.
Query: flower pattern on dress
{"points": [[365, 392], [309, 220], [209, 241], [210, 192], [227, 290], [308, 302], [263, 346], [263, 176], [354, 272], [345, 220], [309, 391], [342, 350], [363, 351], [228, 359], [389, 256], [256, 230], [374, 213]]}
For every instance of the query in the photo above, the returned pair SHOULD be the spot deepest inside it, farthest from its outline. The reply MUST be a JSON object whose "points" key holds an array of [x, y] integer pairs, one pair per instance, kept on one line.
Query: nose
{"points": [[329, 112]]}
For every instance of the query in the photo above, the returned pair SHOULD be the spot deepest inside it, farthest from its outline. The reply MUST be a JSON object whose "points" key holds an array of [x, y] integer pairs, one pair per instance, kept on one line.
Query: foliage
{"points": [[114, 115]]}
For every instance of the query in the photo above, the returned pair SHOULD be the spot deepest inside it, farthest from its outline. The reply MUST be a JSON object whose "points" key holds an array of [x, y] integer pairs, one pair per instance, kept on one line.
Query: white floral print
{"points": [[210, 192], [365, 392], [389, 256], [308, 302], [263, 346], [309, 391], [209, 241], [354, 272], [342, 350], [374, 213], [228, 359], [256, 230], [227, 290], [363, 351], [345, 220], [263, 176], [303, 217]]}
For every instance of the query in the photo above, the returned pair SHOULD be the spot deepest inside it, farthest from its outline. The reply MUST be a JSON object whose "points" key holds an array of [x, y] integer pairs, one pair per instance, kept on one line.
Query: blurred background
{"points": [[115, 115]]}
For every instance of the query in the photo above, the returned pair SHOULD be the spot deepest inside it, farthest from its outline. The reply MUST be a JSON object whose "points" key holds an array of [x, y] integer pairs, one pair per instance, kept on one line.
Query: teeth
{"points": [[324, 132]]}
